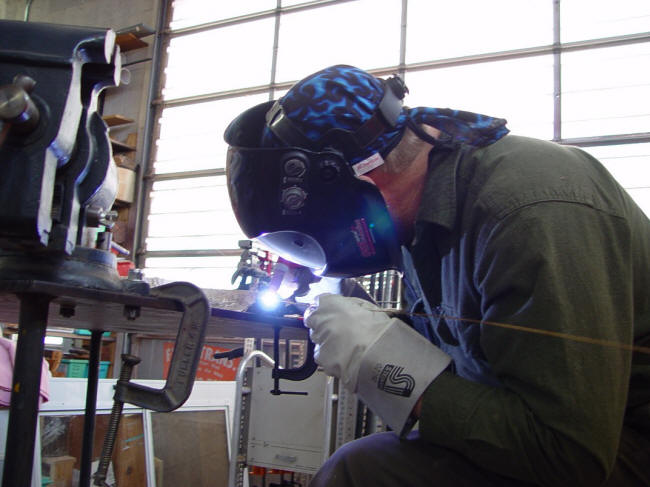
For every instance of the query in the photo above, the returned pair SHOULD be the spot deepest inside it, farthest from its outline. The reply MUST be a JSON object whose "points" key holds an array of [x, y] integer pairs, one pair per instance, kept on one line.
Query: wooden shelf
{"points": [[129, 41], [116, 120], [121, 146]]}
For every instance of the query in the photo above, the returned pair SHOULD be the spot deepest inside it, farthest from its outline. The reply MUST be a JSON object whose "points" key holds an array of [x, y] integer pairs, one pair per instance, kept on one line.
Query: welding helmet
{"points": [[293, 163], [307, 206]]}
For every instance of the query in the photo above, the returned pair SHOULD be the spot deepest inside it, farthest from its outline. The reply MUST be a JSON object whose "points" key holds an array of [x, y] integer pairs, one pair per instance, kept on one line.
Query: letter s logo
{"points": [[392, 380]]}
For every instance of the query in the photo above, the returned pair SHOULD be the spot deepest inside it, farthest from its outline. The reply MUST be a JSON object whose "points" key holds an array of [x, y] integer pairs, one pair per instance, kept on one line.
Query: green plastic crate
{"points": [[81, 331], [79, 367]]}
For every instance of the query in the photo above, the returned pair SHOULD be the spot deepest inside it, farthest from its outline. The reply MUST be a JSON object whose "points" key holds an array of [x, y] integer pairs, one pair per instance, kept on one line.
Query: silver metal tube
{"points": [[239, 393]]}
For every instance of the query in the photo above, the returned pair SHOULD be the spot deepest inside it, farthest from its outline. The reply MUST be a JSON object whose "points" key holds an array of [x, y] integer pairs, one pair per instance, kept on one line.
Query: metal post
{"points": [[91, 408], [25, 392]]}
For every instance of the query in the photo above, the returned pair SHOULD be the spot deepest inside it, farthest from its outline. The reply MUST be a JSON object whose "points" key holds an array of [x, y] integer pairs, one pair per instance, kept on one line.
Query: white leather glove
{"points": [[381, 358]]}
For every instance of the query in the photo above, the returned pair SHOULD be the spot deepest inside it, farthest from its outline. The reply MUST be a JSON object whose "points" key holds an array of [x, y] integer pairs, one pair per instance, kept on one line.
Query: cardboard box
{"points": [[128, 455], [125, 185], [59, 470]]}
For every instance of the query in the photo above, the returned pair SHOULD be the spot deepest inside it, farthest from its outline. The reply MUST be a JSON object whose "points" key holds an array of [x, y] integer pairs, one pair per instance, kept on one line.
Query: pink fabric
{"points": [[7, 357]]}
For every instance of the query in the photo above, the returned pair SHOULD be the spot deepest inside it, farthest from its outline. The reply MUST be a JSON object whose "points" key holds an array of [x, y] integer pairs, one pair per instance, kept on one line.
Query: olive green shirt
{"points": [[530, 233]]}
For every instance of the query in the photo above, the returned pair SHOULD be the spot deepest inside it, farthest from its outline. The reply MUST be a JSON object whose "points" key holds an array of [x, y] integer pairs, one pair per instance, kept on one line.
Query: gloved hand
{"points": [[381, 358]]}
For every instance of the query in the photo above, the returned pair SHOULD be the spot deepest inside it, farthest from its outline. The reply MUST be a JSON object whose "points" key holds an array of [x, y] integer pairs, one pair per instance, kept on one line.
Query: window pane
{"points": [[630, 165], [192, 213], [519, 90], [196, 224], [205, 272], [436, 31], [61, 441], [342, 34], [191, 136], [197, 198], [192, 448], [220, 59], [605, 91], [186, 13], [592, 19], [642, 198]]}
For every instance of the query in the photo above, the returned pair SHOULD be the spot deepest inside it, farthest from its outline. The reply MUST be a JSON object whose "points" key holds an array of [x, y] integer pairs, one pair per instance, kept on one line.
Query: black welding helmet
{"points": [[307, 206], [293, 164]]}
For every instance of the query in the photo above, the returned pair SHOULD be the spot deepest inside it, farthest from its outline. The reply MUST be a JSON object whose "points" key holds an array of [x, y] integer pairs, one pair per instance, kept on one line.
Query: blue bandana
{"points": [[345, 97]]}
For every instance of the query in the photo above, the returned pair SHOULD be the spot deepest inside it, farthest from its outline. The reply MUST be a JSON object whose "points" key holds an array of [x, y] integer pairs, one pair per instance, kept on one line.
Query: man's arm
{"points": [[557, 267]]}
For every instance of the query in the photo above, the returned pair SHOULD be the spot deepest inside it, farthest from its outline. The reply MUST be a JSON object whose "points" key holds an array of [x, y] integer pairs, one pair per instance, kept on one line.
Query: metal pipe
{"points": [[91, 408], [234, 470], [25, 390], [28, 8]]}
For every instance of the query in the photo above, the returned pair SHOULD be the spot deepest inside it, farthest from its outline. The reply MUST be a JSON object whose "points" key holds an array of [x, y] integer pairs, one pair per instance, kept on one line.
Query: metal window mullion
{"points": [[557, 73], [620, 139], [274, 52], [143, 186], [201, 173], [217, 24], [402, 39], [194, 253], [530, 51], [434, 64]]}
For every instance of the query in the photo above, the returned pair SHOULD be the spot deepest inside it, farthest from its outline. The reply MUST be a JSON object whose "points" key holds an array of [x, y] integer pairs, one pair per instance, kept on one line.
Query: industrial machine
{"points": [[57, 186]]}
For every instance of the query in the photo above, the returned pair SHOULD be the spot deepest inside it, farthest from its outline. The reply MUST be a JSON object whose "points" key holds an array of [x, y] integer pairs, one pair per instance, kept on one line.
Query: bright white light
{"points": [[269, 299], [50, 340], [325, 285]]}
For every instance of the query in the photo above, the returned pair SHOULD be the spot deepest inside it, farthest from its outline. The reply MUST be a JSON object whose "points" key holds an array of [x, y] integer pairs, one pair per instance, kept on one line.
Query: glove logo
{"points": [[391, 379]]}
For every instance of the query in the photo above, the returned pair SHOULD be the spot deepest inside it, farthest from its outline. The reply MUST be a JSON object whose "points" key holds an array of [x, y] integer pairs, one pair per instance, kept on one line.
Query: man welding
{"points": [[523, 352]]}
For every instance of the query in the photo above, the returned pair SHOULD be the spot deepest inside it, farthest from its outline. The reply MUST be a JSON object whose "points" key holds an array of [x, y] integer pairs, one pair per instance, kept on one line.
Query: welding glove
{"points": [[382, 359]]}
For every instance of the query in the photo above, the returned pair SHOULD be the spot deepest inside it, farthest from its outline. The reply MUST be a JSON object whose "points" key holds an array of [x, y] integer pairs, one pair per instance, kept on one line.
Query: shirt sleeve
{"points": [[561, 270]]}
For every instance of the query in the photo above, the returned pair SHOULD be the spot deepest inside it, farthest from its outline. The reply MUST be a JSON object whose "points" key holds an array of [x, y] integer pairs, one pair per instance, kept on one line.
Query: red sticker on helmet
{"points": [[363, 237]]}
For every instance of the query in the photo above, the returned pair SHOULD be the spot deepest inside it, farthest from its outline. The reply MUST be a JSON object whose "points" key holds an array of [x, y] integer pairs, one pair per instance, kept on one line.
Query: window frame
{"points": [[556, 49]]}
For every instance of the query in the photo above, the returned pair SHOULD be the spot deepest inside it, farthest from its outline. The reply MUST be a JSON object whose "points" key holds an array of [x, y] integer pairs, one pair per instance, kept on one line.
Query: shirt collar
{"points": [[438, 203]]}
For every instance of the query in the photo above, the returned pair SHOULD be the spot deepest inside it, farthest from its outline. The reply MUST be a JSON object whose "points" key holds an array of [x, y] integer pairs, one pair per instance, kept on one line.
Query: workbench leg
{"points": [[26, 382], [91, 409]]}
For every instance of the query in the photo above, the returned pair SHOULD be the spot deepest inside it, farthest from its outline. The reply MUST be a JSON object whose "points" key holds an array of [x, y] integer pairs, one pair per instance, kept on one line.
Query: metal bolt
{"points": [[135, 275], [16, 106], [131, 312], [128, 362], [67, 310]]}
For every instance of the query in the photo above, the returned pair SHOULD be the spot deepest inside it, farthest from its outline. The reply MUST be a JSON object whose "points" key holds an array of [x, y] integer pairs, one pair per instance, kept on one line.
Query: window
{"points": [[573, 71]]}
